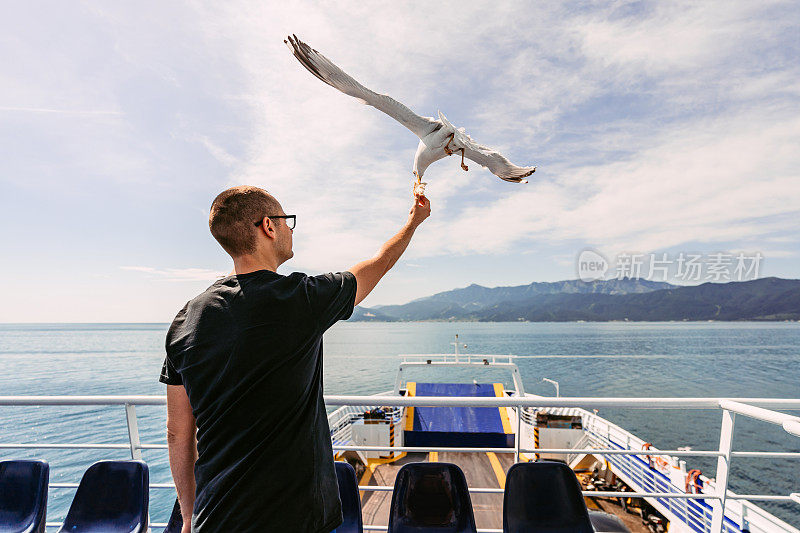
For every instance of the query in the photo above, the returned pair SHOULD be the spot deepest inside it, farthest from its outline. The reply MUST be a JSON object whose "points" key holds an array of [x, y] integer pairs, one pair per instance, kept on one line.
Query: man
{"points": [[248, 436]]}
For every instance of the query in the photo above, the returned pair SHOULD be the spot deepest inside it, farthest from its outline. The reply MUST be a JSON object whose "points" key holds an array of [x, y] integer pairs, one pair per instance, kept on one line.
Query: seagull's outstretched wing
{"points": [[496, 162], [487, 157], [321, 67]]}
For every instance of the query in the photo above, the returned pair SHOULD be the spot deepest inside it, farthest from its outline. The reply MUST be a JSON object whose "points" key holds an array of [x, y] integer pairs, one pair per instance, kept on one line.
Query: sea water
{"points": [[604, 359]]}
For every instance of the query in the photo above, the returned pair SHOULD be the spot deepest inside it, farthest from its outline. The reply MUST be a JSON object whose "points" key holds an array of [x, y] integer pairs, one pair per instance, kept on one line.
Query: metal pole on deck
{"points": [[723, 468], [133, 432], [554, 383], [518, 438]]}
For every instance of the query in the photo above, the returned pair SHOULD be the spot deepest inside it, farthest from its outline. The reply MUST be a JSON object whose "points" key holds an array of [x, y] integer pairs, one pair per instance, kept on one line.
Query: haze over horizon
{"points": [[657, 127]]}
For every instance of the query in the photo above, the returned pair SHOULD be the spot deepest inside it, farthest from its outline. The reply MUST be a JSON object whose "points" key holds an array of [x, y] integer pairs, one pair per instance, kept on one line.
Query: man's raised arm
{"points": [[368, 273]]}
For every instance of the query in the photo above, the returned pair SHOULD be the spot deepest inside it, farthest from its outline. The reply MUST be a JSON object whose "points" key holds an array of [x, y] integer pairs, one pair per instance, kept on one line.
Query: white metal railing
{"points": [[655, 470], [603, 431], [340, 421], [664, 473], [501, 362]]}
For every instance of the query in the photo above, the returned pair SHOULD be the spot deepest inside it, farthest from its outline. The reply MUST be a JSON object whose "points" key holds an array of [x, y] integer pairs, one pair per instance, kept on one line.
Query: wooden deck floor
{"points": [[478, 470]]}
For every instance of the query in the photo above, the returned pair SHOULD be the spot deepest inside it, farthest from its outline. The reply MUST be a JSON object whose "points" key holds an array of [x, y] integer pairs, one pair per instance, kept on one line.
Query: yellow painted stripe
{"points": [[373, 465], [433, 457], [498, 469], [411, 390], [591, 504], [367, 476], [385, 460], [499, 392]]}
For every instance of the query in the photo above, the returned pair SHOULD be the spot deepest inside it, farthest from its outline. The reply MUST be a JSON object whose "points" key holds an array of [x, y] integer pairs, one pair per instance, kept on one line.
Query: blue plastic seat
{"points": [[431, 497], [544, 497], [113, 496], [23, 496], [607, 523], [351, 502]]}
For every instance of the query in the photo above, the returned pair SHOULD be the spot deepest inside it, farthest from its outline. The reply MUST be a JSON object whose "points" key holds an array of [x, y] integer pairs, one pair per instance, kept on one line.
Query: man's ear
{"points": [[268, 228]]}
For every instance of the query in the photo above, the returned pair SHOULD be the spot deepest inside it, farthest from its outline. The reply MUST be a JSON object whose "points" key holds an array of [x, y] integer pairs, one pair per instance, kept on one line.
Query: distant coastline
{"points": [[626, 300], [618, 300]]}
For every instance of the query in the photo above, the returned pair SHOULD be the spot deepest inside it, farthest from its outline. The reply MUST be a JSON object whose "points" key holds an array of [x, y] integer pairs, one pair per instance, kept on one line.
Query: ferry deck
{"points": [[487, 430]]}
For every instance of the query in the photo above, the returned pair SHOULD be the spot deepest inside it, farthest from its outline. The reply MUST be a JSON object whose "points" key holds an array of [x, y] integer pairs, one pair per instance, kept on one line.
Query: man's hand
{"points": [[368, 273], [419, 211]]}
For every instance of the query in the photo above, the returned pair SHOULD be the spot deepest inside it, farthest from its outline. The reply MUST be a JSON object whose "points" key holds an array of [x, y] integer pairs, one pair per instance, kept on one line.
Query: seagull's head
{"points": [[420, 166]]}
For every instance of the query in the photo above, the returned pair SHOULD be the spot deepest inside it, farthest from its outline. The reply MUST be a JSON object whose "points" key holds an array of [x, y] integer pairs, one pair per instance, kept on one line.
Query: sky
{"points": [[656, 127]]}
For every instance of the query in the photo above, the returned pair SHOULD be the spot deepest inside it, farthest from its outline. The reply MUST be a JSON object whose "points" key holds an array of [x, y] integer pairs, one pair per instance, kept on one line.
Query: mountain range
{"points": [[601, 300]]}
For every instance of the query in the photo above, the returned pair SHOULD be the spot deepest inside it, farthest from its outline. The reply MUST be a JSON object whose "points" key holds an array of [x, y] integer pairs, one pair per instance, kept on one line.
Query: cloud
{"points": [[704, 183], [177, 274], [654, 125], [673, 169], [219, 153], [60, 111], [139, 269], [673, 38]]}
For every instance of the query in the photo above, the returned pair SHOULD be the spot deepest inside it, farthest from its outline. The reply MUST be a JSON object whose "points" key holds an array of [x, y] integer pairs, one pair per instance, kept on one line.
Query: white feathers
{"points": [[436, 136]]}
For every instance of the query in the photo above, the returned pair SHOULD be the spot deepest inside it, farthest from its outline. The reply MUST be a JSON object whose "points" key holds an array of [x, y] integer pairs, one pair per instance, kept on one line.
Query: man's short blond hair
{"points": [[233, 214]]}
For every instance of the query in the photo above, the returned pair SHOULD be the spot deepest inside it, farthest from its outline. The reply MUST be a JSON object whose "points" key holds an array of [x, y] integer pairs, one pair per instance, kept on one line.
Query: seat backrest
{"points": [[351, 502], [23, 495], [607, 523], [112, 496], [544, 497], [431, 495]]}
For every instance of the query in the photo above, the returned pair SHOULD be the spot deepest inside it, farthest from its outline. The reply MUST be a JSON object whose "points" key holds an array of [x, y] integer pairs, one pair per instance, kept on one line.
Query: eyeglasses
{"points": [[291, 220]]}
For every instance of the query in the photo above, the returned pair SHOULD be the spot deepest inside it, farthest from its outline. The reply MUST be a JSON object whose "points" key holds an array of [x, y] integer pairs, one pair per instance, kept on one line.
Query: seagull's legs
{"points": [[447, 149], [465, 167], [450, 151]]}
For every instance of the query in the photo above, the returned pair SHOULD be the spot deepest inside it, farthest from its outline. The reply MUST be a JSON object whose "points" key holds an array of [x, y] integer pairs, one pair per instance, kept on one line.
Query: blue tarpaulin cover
{"points": [[457, 426]]}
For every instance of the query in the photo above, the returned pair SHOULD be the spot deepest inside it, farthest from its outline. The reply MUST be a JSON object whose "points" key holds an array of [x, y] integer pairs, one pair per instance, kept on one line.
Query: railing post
{"points": [[398, 379], [723, 467], [518, 440], [133, 432]]}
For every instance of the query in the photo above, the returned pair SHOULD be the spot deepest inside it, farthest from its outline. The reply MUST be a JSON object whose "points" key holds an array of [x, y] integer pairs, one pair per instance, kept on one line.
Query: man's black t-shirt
{"points": [[249, 353]]}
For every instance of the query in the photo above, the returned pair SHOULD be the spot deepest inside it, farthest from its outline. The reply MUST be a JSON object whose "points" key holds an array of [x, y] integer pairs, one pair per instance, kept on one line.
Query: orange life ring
{"points": [[646, 446], [693, 483]]}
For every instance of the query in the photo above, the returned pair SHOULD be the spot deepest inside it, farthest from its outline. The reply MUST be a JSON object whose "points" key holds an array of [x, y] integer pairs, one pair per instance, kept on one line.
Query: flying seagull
{"points": [[438, 138]]}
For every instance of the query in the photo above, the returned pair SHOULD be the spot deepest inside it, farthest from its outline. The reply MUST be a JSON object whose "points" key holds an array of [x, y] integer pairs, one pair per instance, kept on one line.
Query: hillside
{"points": [[637, 300]]}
